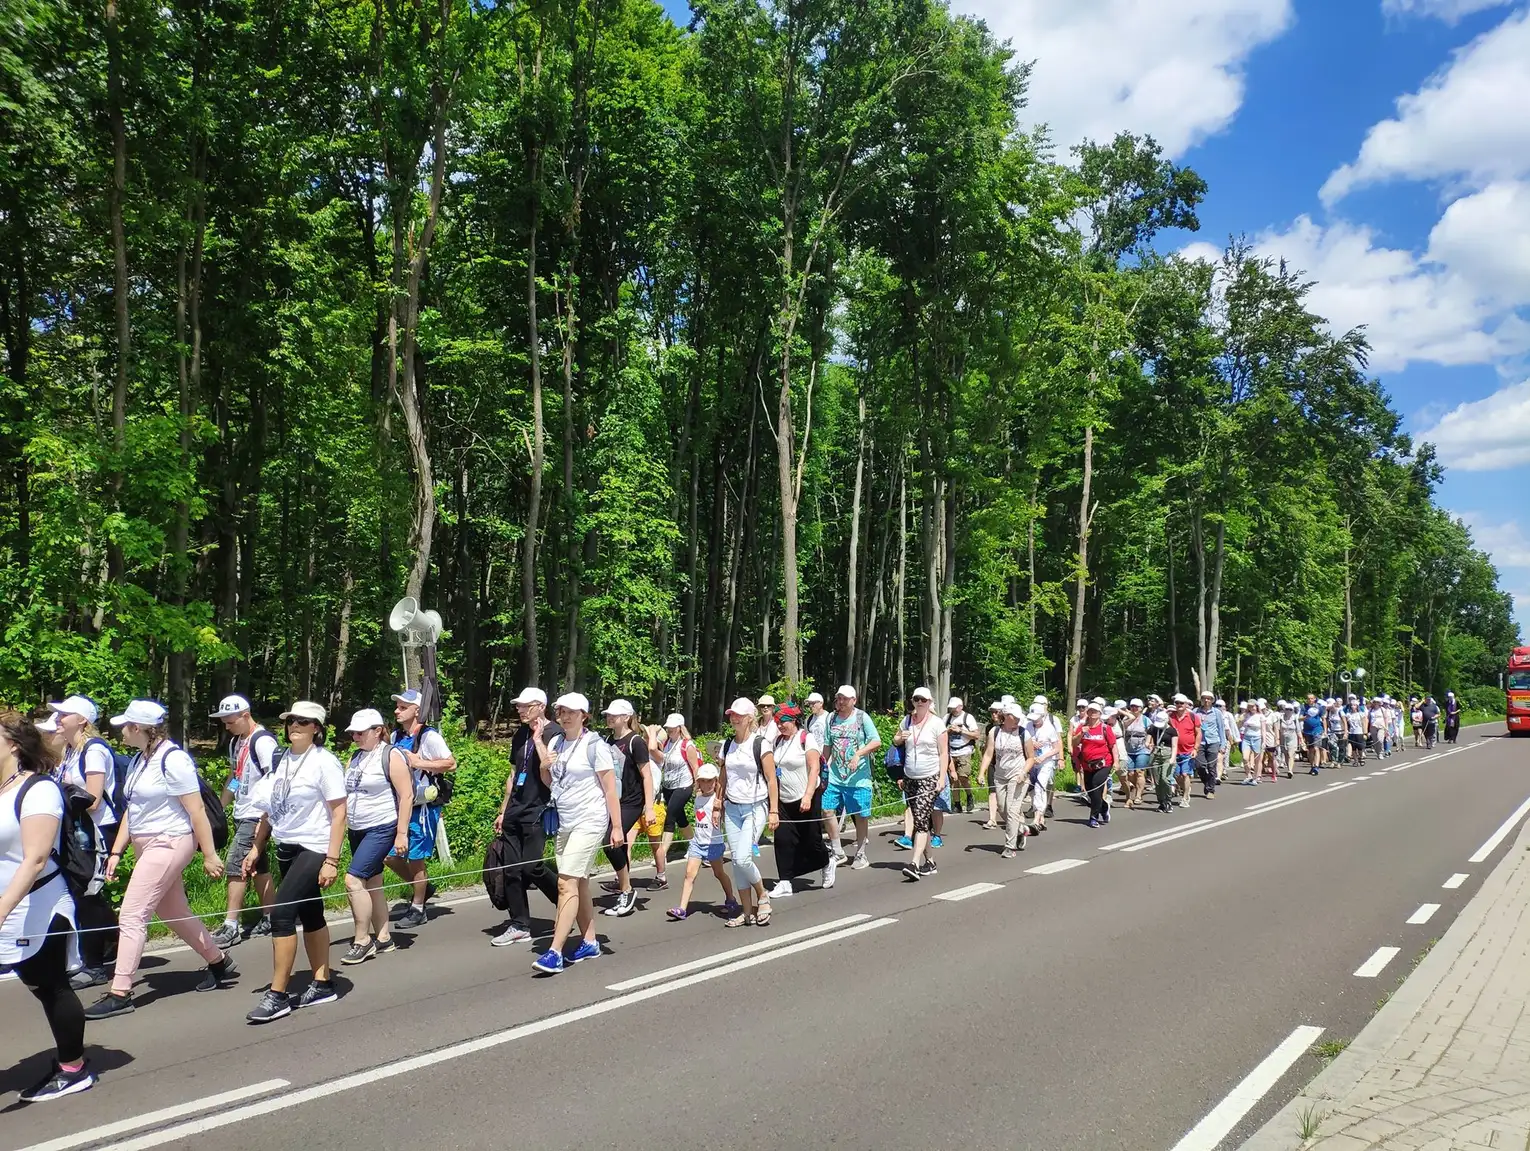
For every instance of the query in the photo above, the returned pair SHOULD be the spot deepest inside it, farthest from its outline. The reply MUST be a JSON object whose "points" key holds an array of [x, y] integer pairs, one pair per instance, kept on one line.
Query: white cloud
{"points": [[1467, 122], [1504, 540], [1172, 68], [1448, 10], [1487, 434], [1485, 237]]}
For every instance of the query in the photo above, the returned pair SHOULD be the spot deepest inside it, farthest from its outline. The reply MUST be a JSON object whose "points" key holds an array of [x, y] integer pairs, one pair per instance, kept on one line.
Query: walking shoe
{"points": [[318, 993], [831, 869], [548, 963], [262, 927], [510, 935], [219, 974], [1106, 817], [781, 890], [110, 1006], [1020, 840], [990, 826], [385, 946], [585, 950], [837, 850], [359, 952], [397, 911], [659, 883], [936, 841], [911, 872], [611, 886], [860, 862], [928, 868], [414, 917], [1050, 812], [1093, 822], [273, 1005], [904, 842], [88, 977], [227, 935], [626, 904], [731, 908], [60, 1083], [1314, 771], [1007, 853]]}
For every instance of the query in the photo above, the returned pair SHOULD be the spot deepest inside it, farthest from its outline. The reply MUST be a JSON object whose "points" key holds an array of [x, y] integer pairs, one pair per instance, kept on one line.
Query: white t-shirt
{"points": [[770, 731], [962, 728], [24, 928], [792, 765], [576, 789], [818, 724], [1046, 738], [707, 815], [746, 779], [154, 789], [430, 744], [294, 797], [677, 769], [250, 758], [921, 747], [370, 801], [94, 760], [1008, 754]]}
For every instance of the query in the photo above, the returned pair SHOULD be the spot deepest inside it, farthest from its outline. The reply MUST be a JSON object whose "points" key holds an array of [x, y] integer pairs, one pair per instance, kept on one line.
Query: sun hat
{"points": [[80, 706], [766, 700], [366, 719], [954, 702], [306, 709], [144, 712]]}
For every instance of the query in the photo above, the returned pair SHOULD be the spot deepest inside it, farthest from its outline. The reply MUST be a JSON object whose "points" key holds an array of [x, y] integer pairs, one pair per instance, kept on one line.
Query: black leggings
{"points": [[46, 975], [1096, 780], [799, 844], [297, 896], [619, 857]]}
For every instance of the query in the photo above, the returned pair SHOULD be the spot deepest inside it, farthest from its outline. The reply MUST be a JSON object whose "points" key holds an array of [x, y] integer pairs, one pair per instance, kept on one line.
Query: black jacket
{"points": [[528, 794]]}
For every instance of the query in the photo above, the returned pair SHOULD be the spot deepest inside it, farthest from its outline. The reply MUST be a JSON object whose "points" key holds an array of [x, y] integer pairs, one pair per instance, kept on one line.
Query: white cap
{"points": [[1109, 712], [1099, 699], [144, 712], [231, 705], [1119, 704], [366, 719], [1093, 706], [707, 771], [1287, 705], [1136, 702], [953, 703], [619, 707], [1263, 702], [1015, 710], [815, 697], [1221, 703], [1082, 702], [997, 705], [573, 700], [1181, 697], [1007, 699], [743, 705], [923, 693], [1208, 694], [1037, 713], [49, 723], [1155, 698], [531, 695], [306, 709], [76, 705], [766, 700], [1040, 701], [846, 691], [674, 719]]}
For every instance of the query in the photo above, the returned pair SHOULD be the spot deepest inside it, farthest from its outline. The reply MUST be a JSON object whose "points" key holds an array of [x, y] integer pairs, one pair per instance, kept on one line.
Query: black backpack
{"points": [[115, 795], [495, 878], [80, 854]]}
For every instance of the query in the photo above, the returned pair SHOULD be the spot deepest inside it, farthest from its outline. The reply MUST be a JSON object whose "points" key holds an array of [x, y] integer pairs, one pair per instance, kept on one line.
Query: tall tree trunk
{"points": [[1085, 514], [1198, 546], [852, 607], [118, 194], [343, 644], [900, 587], [1030, 572], [531, 653], [1173, 608], [1214, 628], [791, 644], [947, 596]]}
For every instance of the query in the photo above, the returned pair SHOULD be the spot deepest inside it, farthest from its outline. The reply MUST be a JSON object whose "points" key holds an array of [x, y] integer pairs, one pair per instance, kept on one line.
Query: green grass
{"points": [[1309, 1121], [1330, 1049]]}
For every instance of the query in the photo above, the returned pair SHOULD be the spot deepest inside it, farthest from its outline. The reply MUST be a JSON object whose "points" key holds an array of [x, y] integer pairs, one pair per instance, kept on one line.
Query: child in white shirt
{"points": [[707, 843]]}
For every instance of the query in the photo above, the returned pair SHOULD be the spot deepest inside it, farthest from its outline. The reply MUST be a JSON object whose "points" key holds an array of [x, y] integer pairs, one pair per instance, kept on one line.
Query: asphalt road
{"points": [[1109, 1003]]}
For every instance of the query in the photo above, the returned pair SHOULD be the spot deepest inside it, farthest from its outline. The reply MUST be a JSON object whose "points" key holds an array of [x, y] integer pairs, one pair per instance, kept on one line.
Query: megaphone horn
{"points": [[403, 613], [428, 624], [1344, 677]]}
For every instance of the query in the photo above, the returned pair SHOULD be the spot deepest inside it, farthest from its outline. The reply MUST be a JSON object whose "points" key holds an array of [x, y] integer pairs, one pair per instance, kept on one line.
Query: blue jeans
{"points": [[744, 823]]}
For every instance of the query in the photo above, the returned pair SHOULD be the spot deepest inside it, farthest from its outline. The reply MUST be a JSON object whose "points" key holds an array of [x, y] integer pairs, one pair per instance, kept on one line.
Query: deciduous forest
{"points": [[664, 361]]}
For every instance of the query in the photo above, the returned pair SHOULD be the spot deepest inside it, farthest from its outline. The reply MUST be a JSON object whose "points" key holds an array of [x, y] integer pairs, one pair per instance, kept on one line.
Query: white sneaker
{"points": [[837, 850], [781, 890], [860, 862], [830, 870], [510, 935]]}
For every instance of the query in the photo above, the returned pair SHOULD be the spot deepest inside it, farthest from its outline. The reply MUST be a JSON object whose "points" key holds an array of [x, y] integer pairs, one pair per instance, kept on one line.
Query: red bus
{"points": [[1517, 681]]}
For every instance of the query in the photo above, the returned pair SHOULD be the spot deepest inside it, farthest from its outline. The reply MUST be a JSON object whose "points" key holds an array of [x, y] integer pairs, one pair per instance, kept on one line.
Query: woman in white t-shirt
{"points": [[379, 796], [799, 844], [675, 754], [1007, 761], [302, 803], [36, 911], [926, 765], [751, 803], [165, 824], [578, 767]]}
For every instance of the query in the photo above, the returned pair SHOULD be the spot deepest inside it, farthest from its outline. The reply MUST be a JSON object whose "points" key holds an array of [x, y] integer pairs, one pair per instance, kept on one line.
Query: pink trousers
{"points": [[156, 885]]}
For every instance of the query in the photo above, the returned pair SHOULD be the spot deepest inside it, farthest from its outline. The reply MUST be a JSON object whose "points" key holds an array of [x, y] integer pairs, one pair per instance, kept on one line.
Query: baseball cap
{"points": [[1037, 713], [1119, 704], [1015, 710], [815, 697], [1008, 699], [1092, 706], [674, 719], [1181, 697], [145, 712], [766, 701], [1221, 703], [923, 693], [997, 705], [77, 705], [411, 696], [619, 707], [573, 700], [1082, 702], [531, 695], [1040, 701], [1135, 702], [366, 719], [846, 691], [707, 771], [1099, 699], [48, 722], [306, 709], [954, 702], [743, 705], [231, 705], [1208, 694]]}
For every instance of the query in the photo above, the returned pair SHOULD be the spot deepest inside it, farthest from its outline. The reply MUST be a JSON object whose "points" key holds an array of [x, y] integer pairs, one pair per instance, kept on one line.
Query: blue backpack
{"points": [[115, 795]]}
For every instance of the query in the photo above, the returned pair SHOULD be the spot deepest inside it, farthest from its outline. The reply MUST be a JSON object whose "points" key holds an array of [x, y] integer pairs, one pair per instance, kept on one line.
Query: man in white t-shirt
{"points": [[251, 752], [428, 756], [1045, 740], [965, 736], [817, 718]]}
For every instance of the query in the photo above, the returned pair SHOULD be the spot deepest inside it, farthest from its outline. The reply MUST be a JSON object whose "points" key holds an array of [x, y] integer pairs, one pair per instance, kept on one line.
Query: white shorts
{"points": [[576, 850]]}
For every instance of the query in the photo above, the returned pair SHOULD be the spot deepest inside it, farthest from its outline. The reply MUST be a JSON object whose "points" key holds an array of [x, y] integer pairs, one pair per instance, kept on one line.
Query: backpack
{"points": [[893, 759], [442, 781], [495, 880], [80, 856], [115, 794]]}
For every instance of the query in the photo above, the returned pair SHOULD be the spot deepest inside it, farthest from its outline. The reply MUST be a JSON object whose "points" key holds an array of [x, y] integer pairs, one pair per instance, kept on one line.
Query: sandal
{"points": [[990, 826], [677, 913], [763, 918], [739, 921]]}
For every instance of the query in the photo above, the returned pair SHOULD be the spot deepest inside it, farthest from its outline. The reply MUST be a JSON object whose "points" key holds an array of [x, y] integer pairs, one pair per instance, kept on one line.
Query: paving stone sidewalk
{"points": [[1445, 1064]]}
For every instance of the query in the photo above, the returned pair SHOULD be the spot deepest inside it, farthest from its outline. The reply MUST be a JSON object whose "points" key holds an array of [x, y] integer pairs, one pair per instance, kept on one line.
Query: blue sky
{"points": [[1383, 146]]}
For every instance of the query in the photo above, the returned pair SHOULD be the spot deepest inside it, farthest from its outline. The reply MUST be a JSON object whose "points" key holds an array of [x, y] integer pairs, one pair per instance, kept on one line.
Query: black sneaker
{"points": [[911, 873], [398, 911], [626, 904], [60, 1083], [110, 1006], [659, 883], [928, 869], [262, 927], [385, 946], [1050, 812], [273, 1005], [430, 891], [219, 974], [413, 917], [360, 952], [88, 977], [316, 994]]}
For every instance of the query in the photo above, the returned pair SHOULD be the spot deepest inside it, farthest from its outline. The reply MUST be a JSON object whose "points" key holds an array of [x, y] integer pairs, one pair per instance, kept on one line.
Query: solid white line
{"points": [[1210, 1131], [736, 953], [1501, 834], [238, 1115], [1424, 914], [1055, 866], [1373, 966], [1455, 881], [1152, 835], [164, 1115], [969, 891]]}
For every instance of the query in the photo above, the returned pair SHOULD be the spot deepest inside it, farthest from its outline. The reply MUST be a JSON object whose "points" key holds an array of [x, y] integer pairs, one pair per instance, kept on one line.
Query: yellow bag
{"points": [[654, 829]]}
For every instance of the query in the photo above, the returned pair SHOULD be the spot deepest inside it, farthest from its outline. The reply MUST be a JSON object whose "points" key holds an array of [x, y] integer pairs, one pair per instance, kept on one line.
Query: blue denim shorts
{"points": [[368, 850]]}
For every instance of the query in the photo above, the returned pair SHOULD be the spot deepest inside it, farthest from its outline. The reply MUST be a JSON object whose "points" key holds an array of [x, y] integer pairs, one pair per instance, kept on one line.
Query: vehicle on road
{"points": [[1517, 683]]}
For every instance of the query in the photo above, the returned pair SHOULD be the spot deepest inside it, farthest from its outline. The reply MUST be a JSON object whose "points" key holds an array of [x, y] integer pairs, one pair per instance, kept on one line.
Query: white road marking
{"points": [[1055, 866], [1210, 1131], [1424, 914], [1358, 778], [1373, 966], [1337, 783], [736, 953], [1287, 802], [1455, 881], [184, 1131], [1154, 834], [163, 1115], [969, 891], [1501, 834]]}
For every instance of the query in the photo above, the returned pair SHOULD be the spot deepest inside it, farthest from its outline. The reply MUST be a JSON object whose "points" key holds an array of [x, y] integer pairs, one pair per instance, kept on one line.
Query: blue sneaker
{"points": [[904, 842], [548, 963], [936, 841], [1093, 822], [585, 950], [1106, 817]]}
